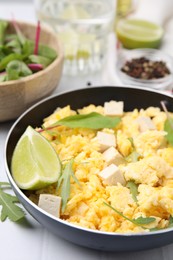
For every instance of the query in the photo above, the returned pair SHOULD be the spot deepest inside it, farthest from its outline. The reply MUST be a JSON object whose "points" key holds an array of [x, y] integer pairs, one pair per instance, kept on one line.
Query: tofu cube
{"points": [[111, 155], [113, 108], [105, 140], [50, 203], [112, 175], [145, 123]]}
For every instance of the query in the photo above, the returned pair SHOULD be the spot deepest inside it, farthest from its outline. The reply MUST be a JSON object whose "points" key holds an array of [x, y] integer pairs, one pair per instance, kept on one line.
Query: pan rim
{"points": [[158, 232]]}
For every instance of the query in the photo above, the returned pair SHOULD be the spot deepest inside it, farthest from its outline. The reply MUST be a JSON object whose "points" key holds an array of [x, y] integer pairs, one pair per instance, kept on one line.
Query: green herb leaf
{"points": [[64, 183], [20, 35], [133, 189], [14, 46], [155, 229], [47, 52], [139, 221], [133, 157], [5, 184], [16, 69], [170, 222], [9, 208], [13, 56], [39, 60], [3, 77], [3, 27], [43, 50], [93, 121], [131, 141], [143, 221], [168, 127]]}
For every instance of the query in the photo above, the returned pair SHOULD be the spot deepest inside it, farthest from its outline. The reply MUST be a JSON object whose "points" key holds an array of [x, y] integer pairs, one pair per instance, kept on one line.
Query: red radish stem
{"points": [[18, 31], [37, 38], [46, 129], [35, 66], [2, 73]]}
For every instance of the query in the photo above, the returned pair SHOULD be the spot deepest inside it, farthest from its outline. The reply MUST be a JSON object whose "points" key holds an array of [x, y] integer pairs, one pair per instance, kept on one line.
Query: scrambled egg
{"points": [[152, 172]]}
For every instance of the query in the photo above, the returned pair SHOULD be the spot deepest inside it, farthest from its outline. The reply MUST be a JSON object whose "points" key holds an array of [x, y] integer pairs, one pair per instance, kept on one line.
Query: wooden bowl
{"points": [[17, 95]]}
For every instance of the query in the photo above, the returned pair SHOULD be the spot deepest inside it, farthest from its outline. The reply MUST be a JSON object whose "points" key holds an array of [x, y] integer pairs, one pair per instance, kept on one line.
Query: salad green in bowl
{"points": [[31, 60]]}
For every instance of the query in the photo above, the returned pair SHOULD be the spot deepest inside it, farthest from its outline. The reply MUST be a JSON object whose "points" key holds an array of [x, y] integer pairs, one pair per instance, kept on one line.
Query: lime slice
{"points": [[74, 12], [77, 44], [35, 163], [72, 40], [134, 33]]}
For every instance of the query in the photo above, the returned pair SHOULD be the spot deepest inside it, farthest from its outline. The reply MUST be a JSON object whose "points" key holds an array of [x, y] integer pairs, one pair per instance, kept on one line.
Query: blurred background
{"points": [[97, 46]]}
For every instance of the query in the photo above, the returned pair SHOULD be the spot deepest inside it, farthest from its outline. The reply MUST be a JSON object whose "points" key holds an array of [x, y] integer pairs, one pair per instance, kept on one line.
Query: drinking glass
{"points": [[83, 27]]}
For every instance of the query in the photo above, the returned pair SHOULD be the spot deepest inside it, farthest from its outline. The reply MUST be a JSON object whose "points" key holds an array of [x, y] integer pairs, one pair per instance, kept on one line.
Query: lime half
{"points": [[35, 163], [134, 33]]}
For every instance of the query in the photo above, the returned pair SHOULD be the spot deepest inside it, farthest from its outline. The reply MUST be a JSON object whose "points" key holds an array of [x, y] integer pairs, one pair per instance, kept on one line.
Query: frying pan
{"points": [[108, 241]]}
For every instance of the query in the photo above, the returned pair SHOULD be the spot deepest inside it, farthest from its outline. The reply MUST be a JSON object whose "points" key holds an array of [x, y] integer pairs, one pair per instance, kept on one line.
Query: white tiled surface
{"points": [[29, 240]]}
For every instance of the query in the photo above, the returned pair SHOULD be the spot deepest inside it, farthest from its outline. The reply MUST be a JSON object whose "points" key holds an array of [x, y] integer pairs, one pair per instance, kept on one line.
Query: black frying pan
{"points": [[133, 98]]}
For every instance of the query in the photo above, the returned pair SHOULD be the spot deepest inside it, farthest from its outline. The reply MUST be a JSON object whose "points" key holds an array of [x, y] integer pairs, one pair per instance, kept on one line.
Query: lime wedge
{"points": [[134, 33], [35, 163]]}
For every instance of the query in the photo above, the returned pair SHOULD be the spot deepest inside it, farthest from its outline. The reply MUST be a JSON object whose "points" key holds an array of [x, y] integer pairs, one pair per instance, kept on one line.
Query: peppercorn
{"points": [[143, 68]]}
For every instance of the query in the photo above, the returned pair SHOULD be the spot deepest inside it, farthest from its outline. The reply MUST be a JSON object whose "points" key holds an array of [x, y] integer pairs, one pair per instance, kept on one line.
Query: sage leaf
{"points": [[92, 120], [9, 208], [168, 127], [133, 189]]}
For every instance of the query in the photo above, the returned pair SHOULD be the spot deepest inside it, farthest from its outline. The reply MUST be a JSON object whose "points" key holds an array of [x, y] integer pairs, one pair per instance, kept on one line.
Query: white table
{"points": [[29, 240]]}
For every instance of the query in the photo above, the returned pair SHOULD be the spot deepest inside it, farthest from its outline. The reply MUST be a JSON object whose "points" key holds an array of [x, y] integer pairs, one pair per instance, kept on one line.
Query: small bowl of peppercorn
{"points": [[149, 68]]}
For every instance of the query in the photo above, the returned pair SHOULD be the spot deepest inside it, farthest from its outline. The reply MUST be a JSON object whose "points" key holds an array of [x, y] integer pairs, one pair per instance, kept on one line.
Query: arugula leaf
{"points": [[9, 208], [133, 157], [133, 189], [168, 127], [170, 222], [138, 221], [64, 183], [92, 120], [4, 184], [143, 221], [131, 141]]}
